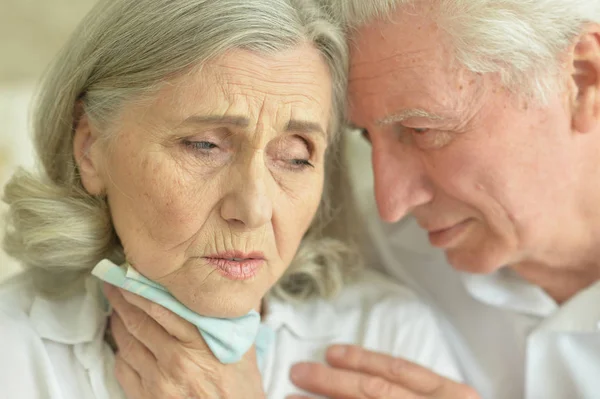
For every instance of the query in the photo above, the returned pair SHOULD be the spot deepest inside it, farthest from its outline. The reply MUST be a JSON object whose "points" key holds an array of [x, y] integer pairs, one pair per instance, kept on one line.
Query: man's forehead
{"points": [[405, 63], [378, 95], [368, 67], [403, 33]]}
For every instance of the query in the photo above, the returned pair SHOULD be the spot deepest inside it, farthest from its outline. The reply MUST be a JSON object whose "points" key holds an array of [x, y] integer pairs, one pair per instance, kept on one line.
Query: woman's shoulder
{"points": [[16, 295], [396, 321], [371, 292], [372, 288], [373, 301], [380, 314], [48, 344], [71, 318], [20, 344]]}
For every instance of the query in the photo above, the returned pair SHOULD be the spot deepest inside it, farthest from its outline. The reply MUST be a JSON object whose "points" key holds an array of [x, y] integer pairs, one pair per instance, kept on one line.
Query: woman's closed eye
{"points": [[213, 152], [203, 146], [301, 163], [293, 153]]}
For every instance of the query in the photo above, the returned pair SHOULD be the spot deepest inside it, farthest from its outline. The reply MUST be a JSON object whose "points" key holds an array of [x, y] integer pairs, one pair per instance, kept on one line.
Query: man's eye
{"points": [[420, 131], [365, 134]]}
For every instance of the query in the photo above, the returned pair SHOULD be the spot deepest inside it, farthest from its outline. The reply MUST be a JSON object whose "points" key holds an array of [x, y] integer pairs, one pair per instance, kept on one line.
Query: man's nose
{"points": [[249, 204], [401, 183]]}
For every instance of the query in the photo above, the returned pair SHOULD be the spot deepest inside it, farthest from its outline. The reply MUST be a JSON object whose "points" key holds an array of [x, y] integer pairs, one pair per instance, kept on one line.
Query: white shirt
{"points": [[511, 339], [54, 349], [375, 313]]}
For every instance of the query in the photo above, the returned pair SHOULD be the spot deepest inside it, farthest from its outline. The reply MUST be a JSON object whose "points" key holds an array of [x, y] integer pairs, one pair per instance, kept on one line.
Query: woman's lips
{"points": [[236, 265], [445, 238], [237, 269]]}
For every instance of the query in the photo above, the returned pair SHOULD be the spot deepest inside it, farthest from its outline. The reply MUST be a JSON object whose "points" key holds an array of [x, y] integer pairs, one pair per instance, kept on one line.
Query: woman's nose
{"points": [[249, 203], [400, 181]]}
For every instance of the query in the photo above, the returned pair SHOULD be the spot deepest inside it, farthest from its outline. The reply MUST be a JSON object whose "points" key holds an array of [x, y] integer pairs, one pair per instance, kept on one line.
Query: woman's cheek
{"points": [[295, 215]]}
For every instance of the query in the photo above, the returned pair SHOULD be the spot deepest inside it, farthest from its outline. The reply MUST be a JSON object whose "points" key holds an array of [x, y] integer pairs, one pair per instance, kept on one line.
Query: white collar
{"points": [[505, 289], [78, 318], [73, 320], [312, 320]]}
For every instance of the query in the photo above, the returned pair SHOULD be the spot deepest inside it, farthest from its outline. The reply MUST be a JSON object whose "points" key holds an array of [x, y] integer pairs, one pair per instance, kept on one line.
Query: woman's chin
{"points": [[230, 308]]}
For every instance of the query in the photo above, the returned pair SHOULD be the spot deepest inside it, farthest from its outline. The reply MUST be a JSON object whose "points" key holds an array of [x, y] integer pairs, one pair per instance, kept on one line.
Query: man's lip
{"points": [[441, 230], [257, 255], [433, 230], [447, 237]]}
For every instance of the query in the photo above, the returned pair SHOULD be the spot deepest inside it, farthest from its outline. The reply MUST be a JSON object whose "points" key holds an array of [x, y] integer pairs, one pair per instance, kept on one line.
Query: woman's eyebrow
{"points": [[231, 120], [239, 121], [302, 126]]}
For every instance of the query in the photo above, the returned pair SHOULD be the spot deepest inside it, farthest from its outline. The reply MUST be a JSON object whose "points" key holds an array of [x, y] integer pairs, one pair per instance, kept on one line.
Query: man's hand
{"points": [[163, 356], [355, 373]]}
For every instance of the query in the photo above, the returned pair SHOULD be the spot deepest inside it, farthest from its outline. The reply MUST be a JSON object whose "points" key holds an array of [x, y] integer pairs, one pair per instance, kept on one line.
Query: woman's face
{"points": [[213, 184]]}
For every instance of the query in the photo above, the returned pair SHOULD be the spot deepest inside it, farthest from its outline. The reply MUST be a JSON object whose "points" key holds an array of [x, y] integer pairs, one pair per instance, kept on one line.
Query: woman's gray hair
{"points": [[122, 52], [523, 40]]}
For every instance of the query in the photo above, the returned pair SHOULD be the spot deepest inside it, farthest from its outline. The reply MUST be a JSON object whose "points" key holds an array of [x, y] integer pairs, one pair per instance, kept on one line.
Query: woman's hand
{"points": [[163, 356], [355, 373]]}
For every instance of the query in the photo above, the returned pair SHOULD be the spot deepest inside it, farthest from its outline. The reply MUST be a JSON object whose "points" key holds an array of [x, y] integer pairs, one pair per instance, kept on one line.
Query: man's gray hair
{"points": [[122, 52], [523, 40]]}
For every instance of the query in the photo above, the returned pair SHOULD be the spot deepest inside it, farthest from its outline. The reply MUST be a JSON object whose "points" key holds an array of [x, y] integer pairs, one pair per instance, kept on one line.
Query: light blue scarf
{"points": [[228, 339]]}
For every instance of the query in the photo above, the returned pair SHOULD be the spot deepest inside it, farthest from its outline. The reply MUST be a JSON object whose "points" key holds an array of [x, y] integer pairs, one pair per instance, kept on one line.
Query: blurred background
{"points": [[31, 33]]}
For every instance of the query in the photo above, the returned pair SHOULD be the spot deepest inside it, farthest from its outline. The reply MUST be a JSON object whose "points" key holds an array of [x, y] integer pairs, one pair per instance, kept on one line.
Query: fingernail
{"points": [[337, 351], [298, 372]]}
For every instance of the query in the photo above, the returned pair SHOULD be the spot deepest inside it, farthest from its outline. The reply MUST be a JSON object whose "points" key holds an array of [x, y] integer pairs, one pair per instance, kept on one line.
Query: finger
{"points": [[181, 329], [140, 325], [130, 349], [129, 379], [399, 371], [345, 384]]}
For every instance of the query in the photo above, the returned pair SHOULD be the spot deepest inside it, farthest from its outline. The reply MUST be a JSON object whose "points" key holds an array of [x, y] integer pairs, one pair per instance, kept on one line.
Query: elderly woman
{"points": [[189, 140]]}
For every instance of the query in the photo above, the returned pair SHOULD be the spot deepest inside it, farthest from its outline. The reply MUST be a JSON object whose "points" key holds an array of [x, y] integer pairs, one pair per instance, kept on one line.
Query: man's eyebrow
{"points": [[301, 126], [408, 113]]}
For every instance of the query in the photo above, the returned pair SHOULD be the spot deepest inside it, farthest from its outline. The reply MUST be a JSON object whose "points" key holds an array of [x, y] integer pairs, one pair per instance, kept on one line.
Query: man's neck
{"points": [[560, 283]]}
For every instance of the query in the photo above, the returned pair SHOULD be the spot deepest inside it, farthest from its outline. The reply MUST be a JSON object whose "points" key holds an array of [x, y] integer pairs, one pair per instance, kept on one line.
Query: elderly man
{"points": [[484, 121]]}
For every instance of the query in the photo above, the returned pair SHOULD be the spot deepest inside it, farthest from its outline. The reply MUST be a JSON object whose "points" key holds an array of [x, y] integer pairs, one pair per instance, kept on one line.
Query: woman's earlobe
{"points": [[84, 141], [586, 78]]}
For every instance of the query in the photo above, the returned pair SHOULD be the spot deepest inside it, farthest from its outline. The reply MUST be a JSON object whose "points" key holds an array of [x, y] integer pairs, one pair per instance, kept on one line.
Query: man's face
{"points": [[494, 178]]}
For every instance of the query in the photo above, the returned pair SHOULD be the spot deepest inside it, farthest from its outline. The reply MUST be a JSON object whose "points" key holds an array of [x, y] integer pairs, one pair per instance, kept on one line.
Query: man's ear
{"points": [[586, 78], [87, 157]]}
